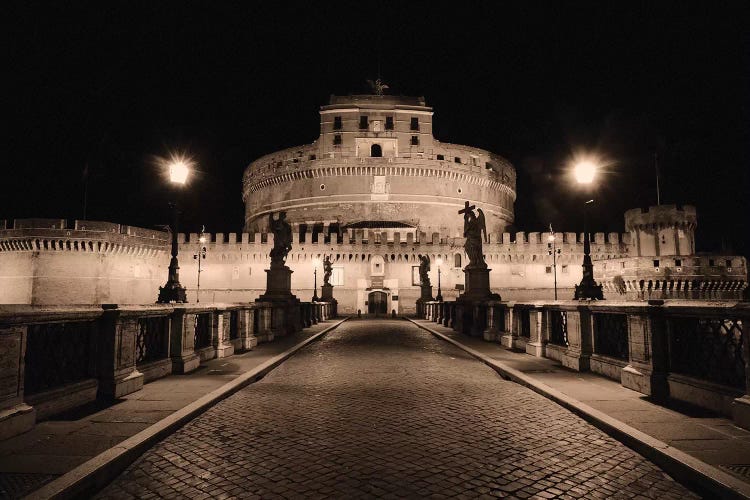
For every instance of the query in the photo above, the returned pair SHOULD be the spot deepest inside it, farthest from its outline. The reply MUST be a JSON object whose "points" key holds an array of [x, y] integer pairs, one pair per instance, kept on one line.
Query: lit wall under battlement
{"points": [[111, 263]]}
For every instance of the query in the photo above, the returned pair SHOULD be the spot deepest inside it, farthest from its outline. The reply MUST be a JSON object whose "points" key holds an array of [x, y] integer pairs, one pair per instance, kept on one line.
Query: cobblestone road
{"points": [[383, 409]]}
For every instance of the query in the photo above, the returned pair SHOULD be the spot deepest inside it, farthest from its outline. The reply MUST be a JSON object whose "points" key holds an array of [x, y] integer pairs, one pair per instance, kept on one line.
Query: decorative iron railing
{"points": [[202, 330], [57, 354], [234, 327], [708, 348], [558, 332], [611, 335], [152, 339], [525, 320]]}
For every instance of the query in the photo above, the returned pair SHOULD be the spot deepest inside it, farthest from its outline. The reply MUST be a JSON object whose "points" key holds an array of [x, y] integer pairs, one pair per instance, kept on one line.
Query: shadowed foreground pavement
{"points": [[383, 409]]}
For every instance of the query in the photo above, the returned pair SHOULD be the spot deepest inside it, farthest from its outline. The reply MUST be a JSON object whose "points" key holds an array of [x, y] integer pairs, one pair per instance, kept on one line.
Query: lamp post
{"points": [[554, 252], [587, 289], [439, 296], [200, 256], [316, 261], [172, 291]]}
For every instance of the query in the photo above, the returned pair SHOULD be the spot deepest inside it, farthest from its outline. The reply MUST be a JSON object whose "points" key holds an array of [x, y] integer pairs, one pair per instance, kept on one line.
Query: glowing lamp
{"points": [[178, 172], [439, 261], [584, 172]]}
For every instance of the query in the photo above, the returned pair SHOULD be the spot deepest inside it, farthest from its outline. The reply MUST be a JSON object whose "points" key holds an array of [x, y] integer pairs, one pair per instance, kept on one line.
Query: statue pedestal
{"points": [[278, 285], [471, 306], [426, 296], [326, 295], [285, 308], [477, 282]]}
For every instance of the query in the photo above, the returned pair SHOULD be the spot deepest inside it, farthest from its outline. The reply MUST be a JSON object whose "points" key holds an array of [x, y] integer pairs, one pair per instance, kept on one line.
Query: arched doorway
{"points": [[376, 151], [377, 303]]}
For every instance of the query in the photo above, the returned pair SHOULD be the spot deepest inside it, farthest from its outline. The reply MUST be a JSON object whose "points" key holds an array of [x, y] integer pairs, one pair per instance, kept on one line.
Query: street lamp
{"points": [[200, 256], [585, 171], [554, 252], [316, 261], [179, 169], [439, 263]]}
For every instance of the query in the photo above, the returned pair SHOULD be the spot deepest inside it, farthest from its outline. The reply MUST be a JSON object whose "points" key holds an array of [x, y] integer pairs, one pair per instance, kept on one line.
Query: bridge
{"points": [[183, 401]]}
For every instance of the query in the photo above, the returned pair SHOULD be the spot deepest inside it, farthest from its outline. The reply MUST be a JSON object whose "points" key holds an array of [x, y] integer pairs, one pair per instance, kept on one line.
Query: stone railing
{"points": [[54, 359], [694, 352]]}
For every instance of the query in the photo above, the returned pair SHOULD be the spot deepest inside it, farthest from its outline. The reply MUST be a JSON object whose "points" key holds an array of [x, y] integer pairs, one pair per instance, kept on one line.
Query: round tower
{"points": [[662, 230], [376, 164]]}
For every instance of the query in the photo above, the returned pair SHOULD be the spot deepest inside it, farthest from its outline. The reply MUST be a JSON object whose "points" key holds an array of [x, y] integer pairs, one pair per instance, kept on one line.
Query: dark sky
{"points": [[113, 84]]}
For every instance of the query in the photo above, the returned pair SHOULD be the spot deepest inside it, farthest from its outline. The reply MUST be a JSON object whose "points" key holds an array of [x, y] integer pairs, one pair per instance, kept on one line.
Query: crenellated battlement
{"points": [[57, 235], [661, 216]]}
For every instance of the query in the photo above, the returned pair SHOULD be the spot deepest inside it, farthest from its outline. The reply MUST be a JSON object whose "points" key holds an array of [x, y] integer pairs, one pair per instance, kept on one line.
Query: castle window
{"points": [[565, 268], [414, 125], [488, 166], [457, 260], [441, 157], [711, 262], [656, 262], [363, 122], [415, 140], [389, 123], [376, 151], [457, 159], [729, 262], [336, 123], [678, 262], [313, 157], [337, 140], [548, 269]]}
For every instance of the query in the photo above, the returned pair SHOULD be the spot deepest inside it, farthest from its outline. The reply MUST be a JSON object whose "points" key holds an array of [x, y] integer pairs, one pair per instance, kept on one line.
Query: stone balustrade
{"points": [[54, 359], [693, 352]]}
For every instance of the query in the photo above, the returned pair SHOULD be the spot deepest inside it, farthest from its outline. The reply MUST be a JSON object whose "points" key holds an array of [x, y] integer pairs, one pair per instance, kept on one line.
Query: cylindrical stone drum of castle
{"points": [[376, 164]]}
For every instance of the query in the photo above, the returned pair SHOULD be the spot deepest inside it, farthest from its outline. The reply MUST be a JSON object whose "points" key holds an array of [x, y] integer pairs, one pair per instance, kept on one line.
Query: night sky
{"points": [[113, 85]]}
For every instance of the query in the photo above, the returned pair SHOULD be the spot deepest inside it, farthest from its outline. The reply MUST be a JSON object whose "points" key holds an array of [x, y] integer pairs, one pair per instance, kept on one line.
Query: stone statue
{"points": [[474, 230], [282, 238], [327, 270], [424, 268]]}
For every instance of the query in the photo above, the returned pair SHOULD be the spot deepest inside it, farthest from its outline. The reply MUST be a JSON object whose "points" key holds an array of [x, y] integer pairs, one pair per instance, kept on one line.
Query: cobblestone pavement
{"points": [[383, 409]]}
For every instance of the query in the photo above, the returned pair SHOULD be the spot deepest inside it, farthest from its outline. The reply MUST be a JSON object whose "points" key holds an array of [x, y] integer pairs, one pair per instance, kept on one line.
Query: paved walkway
{"points": [[384, 409], [56, 446], [700, 433]]}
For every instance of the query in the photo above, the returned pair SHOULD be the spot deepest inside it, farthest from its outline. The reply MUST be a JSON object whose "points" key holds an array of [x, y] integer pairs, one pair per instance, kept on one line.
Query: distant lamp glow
{"points": [[178, 171], [585, 171], [439, 261], [551, 238], [202, 239]]}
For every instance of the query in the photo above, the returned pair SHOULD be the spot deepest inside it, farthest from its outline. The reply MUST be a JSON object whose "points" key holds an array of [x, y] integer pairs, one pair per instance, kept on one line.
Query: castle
{"points": [[373, 192]]}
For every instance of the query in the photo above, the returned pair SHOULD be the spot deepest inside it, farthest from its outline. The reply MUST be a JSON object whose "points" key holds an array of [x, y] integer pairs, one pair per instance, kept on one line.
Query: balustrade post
{"points": [[264, 332], [16, 416], [115, 367], [220, 334], [537, 344], [741, 405], [493, 315], [246, 322], [511, 331], [577, 356], [182, 341], [647, 345]]}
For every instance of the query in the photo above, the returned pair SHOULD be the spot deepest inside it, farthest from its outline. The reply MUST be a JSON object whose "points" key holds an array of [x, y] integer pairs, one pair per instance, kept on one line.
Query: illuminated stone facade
{"points": [[377, 161]]}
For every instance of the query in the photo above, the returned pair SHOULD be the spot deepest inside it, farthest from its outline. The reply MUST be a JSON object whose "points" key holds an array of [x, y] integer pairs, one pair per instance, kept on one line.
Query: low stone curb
{"points": [[97, 472], [696, 474]]}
